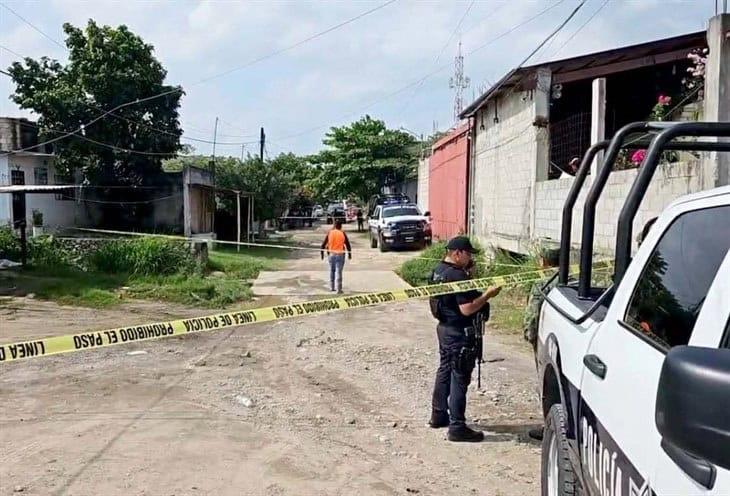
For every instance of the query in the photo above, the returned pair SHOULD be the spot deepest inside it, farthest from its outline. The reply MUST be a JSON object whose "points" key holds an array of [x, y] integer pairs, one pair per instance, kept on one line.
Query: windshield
{"points": [[398, 211]]}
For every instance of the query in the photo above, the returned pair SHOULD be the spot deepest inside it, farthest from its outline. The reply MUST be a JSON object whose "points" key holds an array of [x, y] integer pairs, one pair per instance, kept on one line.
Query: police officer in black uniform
{"points": [[455, 330]]}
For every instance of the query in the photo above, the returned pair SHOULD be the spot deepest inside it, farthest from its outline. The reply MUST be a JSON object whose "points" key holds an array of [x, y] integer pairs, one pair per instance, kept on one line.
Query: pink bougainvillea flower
{"points": [[638, 156], [664, 100]]}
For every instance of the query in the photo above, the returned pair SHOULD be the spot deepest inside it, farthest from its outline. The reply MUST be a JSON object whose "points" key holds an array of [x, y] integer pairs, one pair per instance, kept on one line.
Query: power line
{"points": [[32, 25], [11, 51], [101, 143], [570, 38], [179, 89], [297, 44], [537, 49], [552, 40], [426, 76], [443, 49], [556, 31]]}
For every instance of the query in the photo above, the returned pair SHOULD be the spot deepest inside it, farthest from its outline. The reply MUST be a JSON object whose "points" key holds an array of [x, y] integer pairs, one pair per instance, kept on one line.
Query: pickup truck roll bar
{"points": [[582, 174], [589, 209], [567, 225], [643, 179]]}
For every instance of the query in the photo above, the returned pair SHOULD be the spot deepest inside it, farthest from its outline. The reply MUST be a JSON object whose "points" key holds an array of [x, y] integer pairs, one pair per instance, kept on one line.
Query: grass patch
{"points": [[248, 262], [191, 290], [65, 285], [508, 308], [132, 278]]}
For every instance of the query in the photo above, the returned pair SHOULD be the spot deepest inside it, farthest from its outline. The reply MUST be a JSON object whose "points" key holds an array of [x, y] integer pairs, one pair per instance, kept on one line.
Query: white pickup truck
{"points": [[399, 225], [635, 378]]}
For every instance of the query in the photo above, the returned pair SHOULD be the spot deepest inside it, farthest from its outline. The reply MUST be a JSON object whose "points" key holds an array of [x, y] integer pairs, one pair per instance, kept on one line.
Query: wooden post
{"points": [[23, 243], [248, 222], [598, 119], [253, 219], [238, 220]]}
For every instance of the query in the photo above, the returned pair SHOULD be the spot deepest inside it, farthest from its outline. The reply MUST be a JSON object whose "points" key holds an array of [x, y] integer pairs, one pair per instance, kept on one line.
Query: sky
{"points": [[393, 64]]}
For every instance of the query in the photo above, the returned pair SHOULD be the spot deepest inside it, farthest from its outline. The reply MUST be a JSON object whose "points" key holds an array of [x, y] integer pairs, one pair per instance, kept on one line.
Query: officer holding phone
{"points": [[455, 313]]}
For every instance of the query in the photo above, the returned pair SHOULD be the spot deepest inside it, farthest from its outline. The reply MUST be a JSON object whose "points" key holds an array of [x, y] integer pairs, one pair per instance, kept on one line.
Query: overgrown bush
{"points": [[42, 251], [46, 251], [144, 256], [417, 271], [9, 244]]}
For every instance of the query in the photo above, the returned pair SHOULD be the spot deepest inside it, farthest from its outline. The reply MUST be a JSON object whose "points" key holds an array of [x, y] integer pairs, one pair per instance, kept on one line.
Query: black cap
{"points": [[461, 243]]}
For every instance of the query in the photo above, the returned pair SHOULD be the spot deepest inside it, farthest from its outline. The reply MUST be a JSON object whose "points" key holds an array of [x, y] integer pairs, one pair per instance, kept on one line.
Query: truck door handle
{"points": [[595, 365]]}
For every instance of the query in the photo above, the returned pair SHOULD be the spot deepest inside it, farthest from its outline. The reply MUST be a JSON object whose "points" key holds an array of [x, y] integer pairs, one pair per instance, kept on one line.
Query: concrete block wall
{"points": [[503, 159], [670, 182]]}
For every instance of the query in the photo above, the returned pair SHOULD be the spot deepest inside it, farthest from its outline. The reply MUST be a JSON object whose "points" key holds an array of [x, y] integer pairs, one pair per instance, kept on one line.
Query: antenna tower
{"points": [[458, 83]]}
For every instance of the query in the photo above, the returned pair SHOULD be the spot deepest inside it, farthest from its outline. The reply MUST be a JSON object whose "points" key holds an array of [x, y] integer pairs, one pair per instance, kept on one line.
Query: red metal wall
{"points": [[447, 183]]}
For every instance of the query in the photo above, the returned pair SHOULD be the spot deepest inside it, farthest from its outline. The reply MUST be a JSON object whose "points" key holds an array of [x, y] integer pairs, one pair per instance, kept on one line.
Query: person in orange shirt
{"points": [[336, 244]]}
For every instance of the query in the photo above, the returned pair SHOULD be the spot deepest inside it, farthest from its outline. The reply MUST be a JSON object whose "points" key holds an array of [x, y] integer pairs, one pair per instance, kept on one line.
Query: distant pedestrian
{"points": [[359, 220], [572, 168], [336, 244]]}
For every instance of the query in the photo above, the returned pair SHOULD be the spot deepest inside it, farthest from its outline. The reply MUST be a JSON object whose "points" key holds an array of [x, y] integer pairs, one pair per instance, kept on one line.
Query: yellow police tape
{"points": [[70, 343]]}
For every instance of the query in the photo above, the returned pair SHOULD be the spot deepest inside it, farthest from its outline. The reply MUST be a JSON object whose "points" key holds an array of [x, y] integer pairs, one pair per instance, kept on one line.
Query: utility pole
{"points": [[212, 158], [242, 147], [262, 143], [458, 83]]}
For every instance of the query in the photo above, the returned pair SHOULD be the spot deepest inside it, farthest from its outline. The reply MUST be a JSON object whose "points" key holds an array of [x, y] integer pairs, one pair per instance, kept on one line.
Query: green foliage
{"points": [[9, 244], [45, 251], [417, 271], [106, 67], [71, 286], [362, 157], [144, 256], [275, 183], [191, 290]]}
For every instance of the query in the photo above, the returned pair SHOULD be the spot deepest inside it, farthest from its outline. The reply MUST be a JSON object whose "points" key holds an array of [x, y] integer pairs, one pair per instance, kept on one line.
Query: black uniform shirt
{"points": [[450, 313]]}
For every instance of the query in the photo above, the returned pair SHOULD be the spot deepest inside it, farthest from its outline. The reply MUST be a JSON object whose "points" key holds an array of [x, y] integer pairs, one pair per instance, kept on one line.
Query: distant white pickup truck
{"points": [[635, 378], [398, 225]]}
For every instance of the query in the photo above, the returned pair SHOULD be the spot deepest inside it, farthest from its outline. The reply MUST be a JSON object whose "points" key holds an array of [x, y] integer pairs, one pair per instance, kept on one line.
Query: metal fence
{"points": [[569, 138]]}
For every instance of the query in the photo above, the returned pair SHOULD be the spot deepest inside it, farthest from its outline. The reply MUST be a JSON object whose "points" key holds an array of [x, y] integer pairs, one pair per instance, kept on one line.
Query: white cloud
{"points": [[342, 71]]}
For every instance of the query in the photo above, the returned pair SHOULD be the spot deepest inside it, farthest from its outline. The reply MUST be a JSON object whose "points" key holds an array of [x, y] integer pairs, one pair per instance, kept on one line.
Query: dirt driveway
{"points": [[333, 404]]}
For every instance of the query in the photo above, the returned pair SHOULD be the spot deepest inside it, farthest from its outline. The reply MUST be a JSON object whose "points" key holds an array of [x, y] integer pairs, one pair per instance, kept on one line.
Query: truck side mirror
{"points": [[427, 213], [692, 410]]}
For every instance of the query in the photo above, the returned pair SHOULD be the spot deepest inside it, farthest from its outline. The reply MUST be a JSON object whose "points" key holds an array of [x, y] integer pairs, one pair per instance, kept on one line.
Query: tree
{"points": [[275, 183], [106, 68], [361, 158]]}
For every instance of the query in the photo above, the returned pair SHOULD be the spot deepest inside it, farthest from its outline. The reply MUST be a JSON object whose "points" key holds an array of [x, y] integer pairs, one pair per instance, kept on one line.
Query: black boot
{"points": [[463, 434], [438, 419]]}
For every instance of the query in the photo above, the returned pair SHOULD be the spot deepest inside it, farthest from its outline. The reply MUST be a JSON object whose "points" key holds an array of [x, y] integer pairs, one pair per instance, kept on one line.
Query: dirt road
{"points": [[335, 404]]}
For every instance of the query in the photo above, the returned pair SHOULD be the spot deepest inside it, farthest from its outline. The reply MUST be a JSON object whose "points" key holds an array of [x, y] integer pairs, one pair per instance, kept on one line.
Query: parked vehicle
{"points": [[296, 217], [317, 211], [335, 210], [386, 199], [635, 377], [392, 226]]}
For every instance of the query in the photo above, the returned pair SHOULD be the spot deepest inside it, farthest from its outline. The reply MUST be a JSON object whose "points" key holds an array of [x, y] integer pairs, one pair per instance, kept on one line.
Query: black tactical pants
{"points": [[452, 380]]}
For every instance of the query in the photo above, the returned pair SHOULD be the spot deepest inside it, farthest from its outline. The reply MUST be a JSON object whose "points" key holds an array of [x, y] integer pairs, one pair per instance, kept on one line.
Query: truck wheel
{"points": [[383, 246], [373, 241], [558, 477]]}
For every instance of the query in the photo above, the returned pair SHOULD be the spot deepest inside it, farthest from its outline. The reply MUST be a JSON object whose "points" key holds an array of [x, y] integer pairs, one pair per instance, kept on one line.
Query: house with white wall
{"points": [[530, 124], [20, 165]]}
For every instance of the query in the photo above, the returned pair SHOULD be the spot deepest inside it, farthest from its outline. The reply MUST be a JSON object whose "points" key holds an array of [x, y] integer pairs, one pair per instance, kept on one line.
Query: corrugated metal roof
{"points": [[36, 188], [576, 68]]}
